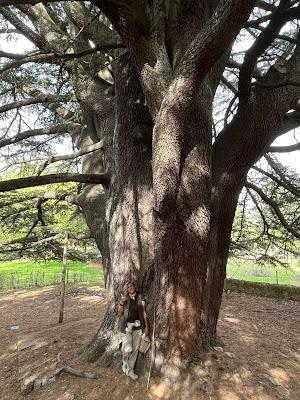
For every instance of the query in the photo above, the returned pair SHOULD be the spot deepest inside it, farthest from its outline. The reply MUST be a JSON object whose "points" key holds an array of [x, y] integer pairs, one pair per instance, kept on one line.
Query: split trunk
{"points": [[167, 221]]}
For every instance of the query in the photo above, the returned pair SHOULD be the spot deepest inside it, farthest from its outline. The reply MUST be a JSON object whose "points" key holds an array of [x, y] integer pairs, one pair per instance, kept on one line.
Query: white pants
{"points": [[130, 348]]}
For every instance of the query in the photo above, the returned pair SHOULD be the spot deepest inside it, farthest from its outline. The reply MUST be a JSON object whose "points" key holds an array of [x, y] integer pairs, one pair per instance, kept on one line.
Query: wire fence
{"points": [[43, 278]]}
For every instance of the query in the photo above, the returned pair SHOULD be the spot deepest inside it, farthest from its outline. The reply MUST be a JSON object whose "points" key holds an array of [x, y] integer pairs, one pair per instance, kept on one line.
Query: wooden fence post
{"points": [[63, 279]]}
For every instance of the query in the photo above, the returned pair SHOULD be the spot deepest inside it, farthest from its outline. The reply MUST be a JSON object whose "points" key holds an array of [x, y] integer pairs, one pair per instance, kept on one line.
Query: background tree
{"points": [[266, 223], [134, 85]]}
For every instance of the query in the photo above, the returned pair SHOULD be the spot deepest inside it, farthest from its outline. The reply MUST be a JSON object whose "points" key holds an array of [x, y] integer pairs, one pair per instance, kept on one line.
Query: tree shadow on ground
{"points": [[258, 359]]}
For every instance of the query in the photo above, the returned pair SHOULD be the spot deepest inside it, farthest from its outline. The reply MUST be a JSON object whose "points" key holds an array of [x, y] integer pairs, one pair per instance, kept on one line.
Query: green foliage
{"points": [[257, 231], [30, 215], [251, 271], [24, 273]]}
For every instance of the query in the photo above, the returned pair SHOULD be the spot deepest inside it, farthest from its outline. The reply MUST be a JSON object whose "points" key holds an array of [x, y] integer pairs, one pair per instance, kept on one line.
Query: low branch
{"points": [[48, 57], [12, 17], [29, 2], [284, 83], [264, 5], [284, 149], [33, 241], [13, 184], [215, 37], [56, 108], [51, 98], [260, 45], [275, 207], [61, 128]]}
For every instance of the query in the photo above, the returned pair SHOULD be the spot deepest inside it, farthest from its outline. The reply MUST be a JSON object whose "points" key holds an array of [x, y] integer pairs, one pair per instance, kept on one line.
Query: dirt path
{"points": [[260, 359]]}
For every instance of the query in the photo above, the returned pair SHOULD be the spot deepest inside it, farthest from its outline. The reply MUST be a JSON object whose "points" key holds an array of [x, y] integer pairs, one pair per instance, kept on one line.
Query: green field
{"points": [[26, 273], [249, 271]]}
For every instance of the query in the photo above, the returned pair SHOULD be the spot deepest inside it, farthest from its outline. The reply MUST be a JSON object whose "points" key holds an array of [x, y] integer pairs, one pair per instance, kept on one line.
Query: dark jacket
{"points": [[124, 316]]}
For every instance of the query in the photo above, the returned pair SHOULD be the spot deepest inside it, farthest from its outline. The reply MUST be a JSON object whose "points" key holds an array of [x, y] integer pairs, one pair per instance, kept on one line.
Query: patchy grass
{"points": [[249, 271], [27, 273]]}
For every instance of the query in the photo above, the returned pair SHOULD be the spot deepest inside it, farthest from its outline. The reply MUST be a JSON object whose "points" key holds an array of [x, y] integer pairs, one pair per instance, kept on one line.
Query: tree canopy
{"points": [[71, 46]]}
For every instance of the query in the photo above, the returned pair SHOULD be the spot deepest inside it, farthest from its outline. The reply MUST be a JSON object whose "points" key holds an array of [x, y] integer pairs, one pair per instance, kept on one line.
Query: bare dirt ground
{"points": [[259, 358]]}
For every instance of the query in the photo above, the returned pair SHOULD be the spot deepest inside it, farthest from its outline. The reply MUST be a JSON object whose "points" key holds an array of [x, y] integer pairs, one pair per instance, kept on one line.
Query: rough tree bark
{"points": [[172, 225], [168, 213], [128, 221]]}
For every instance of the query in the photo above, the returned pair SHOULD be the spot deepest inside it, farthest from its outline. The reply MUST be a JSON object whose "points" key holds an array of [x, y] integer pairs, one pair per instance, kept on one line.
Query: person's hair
{"points": [[130, 282]]}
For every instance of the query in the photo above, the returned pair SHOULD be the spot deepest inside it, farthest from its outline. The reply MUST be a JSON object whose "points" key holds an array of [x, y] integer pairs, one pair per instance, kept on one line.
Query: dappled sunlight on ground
{"points": [[92, 300], [232, 320], [248, 340], [258, 357], [280, 374], [25, 293]]}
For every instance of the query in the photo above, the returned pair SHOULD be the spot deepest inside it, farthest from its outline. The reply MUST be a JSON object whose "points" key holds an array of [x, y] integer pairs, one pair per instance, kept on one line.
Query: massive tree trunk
{"points": [[173, 193], [159, 235]]}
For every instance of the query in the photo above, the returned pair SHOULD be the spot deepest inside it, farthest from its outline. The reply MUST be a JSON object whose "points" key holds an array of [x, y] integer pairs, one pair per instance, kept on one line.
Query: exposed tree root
{"points": [[34, 382], [73, 371]]}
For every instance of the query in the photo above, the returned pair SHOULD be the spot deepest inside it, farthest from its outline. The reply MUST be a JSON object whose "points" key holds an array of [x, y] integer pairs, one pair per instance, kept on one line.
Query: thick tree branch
{"points": [[264, 5], [62, 128], [266, 116], [21, 27], [51, 32], [16, 56], [284, 149], [56, 108], [215, 38], [260, 45], [31, 181], [279, 36], [51, 98], [275, 207], [51, 57], [35, 241], [31, 2], [290, 121]]}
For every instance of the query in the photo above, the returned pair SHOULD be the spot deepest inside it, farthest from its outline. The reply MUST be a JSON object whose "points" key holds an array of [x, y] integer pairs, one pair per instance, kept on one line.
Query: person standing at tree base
{"points": [[133, 323]]}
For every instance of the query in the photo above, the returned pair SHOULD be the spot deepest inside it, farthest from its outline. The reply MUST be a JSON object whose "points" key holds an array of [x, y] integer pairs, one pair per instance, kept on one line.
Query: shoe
{"points": [[132, 375], [125, 368]]}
